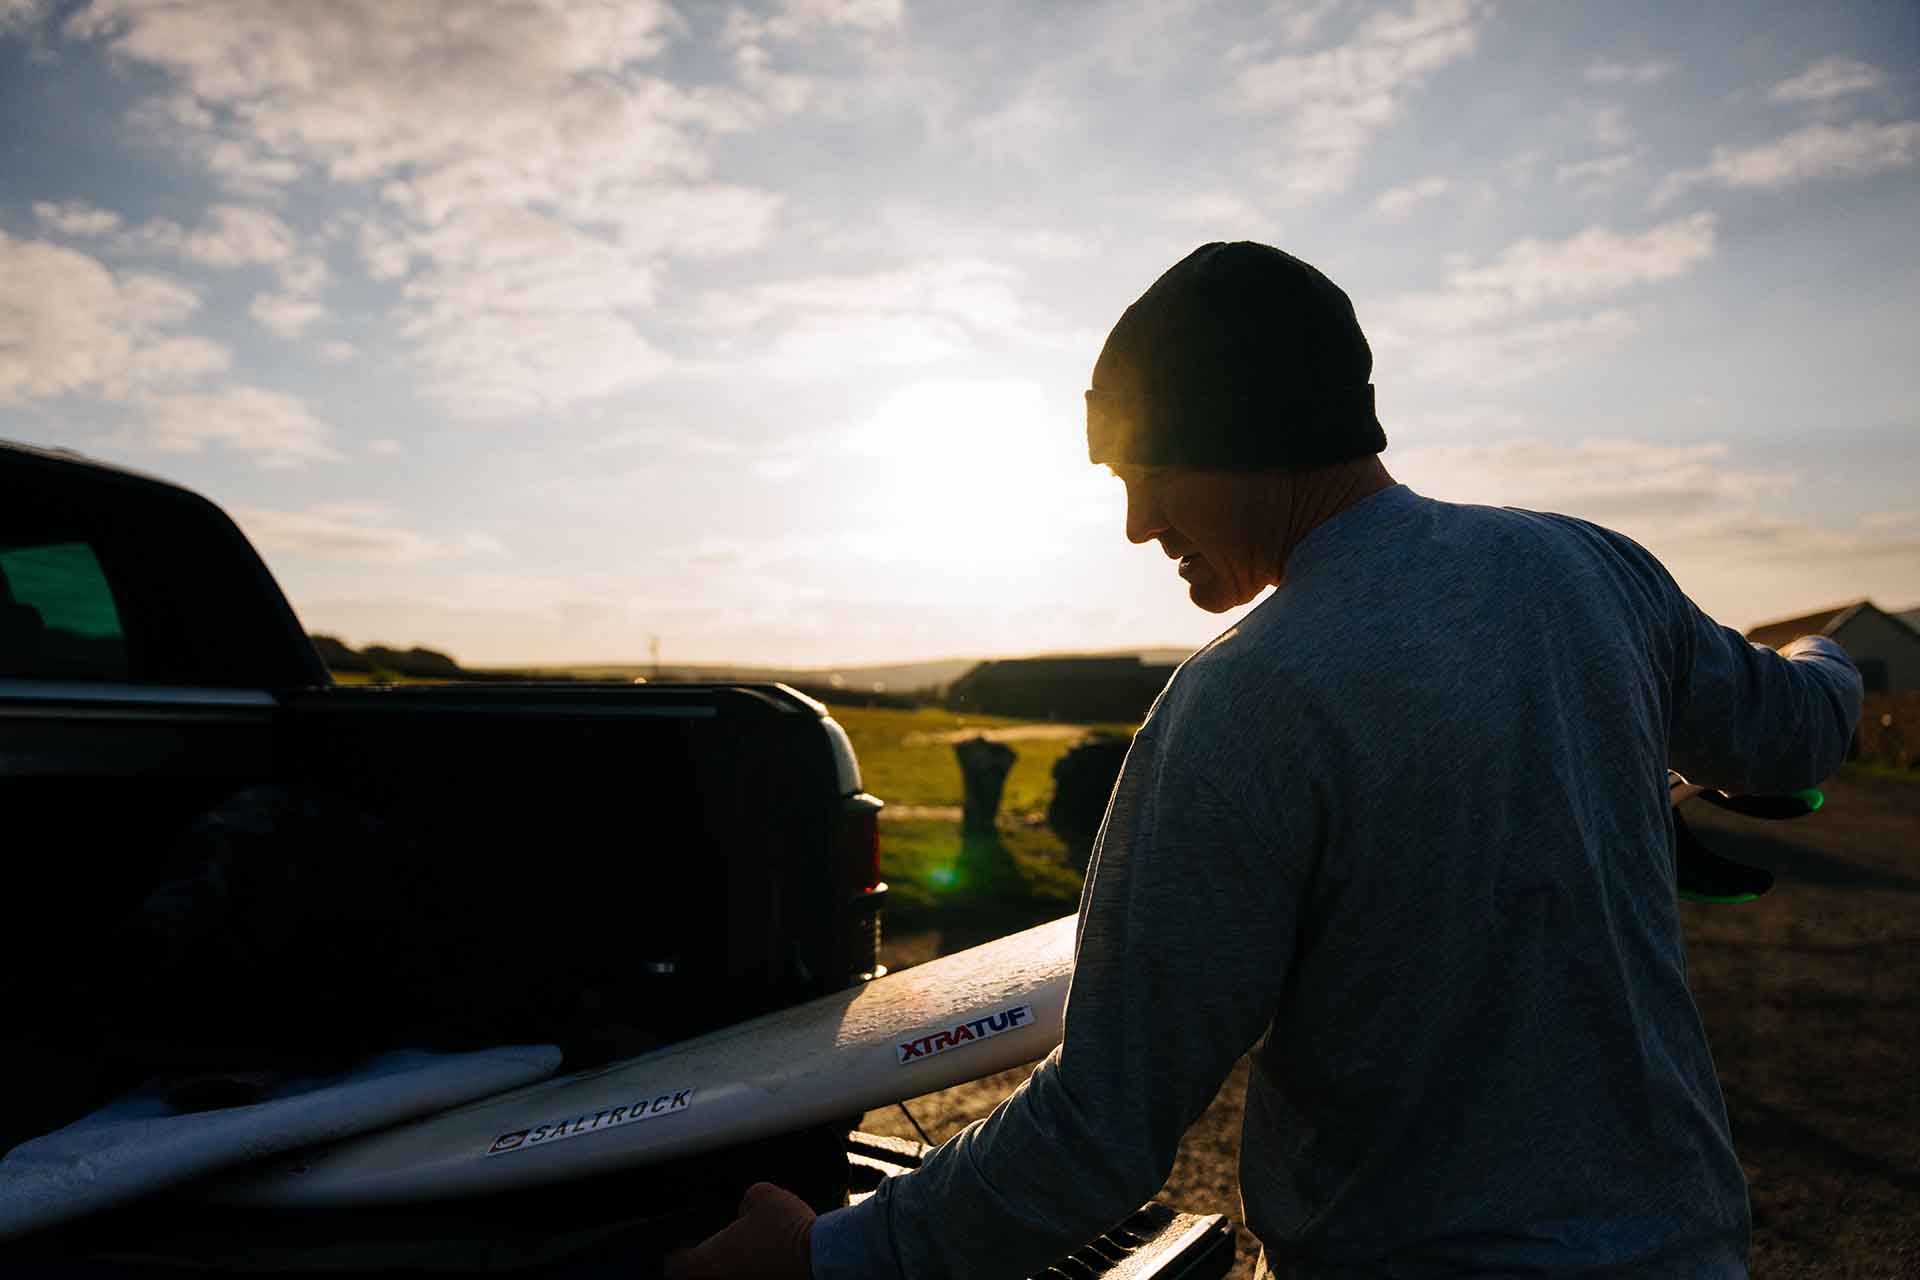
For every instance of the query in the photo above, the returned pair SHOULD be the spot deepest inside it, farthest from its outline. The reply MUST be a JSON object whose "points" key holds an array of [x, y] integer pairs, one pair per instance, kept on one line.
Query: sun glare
{"points": [[974, 474]]}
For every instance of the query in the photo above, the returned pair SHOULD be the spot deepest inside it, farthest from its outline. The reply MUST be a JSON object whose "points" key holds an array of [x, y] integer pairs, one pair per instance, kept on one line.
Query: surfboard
{"points": [[141, 1143], [936, 1025]]}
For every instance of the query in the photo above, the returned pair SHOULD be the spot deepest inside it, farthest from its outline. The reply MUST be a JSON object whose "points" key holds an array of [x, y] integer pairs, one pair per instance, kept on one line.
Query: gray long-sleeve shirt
{"points": [[1404, 834]]}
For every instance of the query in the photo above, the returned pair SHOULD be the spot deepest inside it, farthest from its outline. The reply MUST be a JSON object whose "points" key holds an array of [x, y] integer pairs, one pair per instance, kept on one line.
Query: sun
{"points": [[971, 472]]}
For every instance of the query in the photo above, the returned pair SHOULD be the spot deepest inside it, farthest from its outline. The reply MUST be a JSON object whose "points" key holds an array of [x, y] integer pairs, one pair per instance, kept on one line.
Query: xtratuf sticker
{"points": [[592, 1122], [963, 1033]]}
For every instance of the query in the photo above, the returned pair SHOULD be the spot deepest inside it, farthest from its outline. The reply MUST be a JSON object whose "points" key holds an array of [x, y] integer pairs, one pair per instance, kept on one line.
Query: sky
{"points": [[546, 332]]}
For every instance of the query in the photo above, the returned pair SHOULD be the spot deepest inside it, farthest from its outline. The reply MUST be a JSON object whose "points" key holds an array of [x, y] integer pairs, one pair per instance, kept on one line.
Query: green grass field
{"points": [[906, 757], [940, 879]]}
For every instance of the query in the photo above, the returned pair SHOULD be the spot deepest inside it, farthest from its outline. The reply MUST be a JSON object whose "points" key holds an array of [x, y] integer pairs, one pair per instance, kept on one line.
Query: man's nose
{"points": [[1144, 520]]}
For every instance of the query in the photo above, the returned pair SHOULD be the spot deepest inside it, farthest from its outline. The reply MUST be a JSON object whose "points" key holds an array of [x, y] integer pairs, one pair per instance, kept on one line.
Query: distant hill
{"points": [[1910, 616], [934, 675], [1111, 688], [888, 682], [418, 662]]}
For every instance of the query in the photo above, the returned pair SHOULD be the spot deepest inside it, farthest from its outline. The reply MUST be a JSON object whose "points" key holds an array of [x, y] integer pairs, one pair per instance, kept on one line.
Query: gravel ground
{"points": [[1811, 998]]}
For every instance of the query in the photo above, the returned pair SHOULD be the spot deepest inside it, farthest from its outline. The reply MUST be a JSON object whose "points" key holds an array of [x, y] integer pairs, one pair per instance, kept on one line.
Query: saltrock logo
{"points": [[539, 1135], [964, 1033]]}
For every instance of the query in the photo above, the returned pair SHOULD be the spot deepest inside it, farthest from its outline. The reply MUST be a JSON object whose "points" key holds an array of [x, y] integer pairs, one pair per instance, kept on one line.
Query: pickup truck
{"points": [[668, 858], [709, 843]]}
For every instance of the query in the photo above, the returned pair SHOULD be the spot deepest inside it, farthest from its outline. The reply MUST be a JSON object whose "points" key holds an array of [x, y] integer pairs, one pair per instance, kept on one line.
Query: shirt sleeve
{"points": [[1186, 926], [1749, 720]]}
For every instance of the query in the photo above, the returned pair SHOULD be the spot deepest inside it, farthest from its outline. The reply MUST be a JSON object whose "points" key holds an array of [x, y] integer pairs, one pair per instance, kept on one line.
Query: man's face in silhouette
{"points": [[1222, 526]]}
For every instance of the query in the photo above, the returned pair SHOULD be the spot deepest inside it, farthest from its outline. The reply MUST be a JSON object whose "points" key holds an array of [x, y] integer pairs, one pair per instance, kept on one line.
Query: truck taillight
{"points": [[860, 842], [857, 842]]}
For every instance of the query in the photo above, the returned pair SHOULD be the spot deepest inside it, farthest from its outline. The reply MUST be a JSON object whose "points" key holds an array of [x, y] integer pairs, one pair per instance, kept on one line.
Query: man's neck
{"points": [[1323, 493]]}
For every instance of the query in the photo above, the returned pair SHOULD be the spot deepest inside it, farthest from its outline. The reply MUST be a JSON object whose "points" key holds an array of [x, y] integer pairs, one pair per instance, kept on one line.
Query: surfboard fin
{"points": [[1704, 876]]}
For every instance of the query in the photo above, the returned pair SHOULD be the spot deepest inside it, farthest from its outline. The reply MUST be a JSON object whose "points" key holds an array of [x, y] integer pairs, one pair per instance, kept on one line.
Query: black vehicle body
{"points": [[691, 855], [621, 1226], [712, 841]]}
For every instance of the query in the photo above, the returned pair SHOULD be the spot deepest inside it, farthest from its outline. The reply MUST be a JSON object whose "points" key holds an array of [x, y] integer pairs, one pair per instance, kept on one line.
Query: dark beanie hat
{"points": [[1239, 358]]}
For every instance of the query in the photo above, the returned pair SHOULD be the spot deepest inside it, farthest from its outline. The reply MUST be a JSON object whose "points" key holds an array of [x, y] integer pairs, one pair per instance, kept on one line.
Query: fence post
{"points": [[984, 765]]}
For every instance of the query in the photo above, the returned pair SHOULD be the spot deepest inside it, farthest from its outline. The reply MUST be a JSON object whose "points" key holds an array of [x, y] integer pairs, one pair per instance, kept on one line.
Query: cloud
{"points": [[68, 325], [1596, 260], [1026, 131], [902, 229], [782, 91], [1476, 328], [917, 314], [278, 431], [825, 346], [1300, 21], [18, 15], [1770, 539], [493, 141], [1598, 175], [1818, 151], [1328, 106], [1608, 126], [707, 220], [1397, 202], [1601, 71], [496, 258], [76, 218], [352, 533], [1049, 243], [1606, 480], [362, 89], [748, 36], [671, 441], [233, 236], [337, 352], [287, 315], [794, 19], [1826, 80], [518, 311], [497, 363], [1505, 354], [245, 166], [1453, 419], [1222, 215]]}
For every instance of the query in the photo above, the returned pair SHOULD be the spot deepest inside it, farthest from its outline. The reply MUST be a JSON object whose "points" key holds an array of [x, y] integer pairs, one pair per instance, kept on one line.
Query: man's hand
{"points": [[772, 1239]]}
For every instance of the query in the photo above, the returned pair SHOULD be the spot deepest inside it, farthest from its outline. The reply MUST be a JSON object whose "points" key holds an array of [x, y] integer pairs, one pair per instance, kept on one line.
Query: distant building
{"points": [[1084, 689], [1885, 646]]}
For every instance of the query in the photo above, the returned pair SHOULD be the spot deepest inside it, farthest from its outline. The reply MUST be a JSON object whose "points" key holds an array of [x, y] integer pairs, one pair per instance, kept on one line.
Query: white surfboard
{"points": [[140, 1144], [938, 1024]]}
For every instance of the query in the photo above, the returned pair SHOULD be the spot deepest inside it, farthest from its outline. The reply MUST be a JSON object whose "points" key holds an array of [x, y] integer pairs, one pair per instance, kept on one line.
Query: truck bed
{"points": [[623, 1226]]}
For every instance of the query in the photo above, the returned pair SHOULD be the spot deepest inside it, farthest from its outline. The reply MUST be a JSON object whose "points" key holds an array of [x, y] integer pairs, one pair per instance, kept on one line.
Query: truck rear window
{"points": [[57, 614]]}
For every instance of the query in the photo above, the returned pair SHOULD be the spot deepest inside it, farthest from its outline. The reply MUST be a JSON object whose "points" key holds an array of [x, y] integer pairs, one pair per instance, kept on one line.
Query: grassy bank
{"points": [[1018, 876]]}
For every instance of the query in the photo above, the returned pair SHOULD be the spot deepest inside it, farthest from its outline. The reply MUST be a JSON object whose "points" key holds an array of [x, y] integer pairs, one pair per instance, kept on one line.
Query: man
{"points": [[1402, 833]]}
